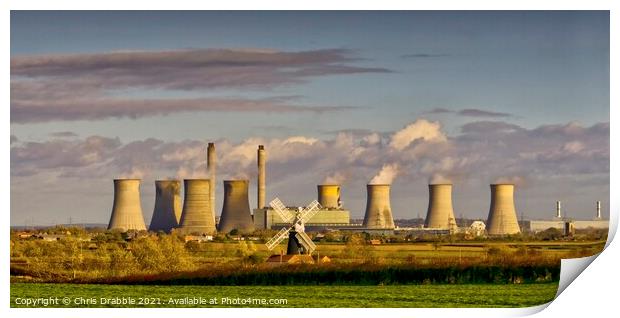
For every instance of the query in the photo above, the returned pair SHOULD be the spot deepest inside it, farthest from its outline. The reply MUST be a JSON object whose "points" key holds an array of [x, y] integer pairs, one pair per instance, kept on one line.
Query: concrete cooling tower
{"points": [[236, 209], [378, 211], [440, 213], [261, 177], [502, 214], [167, 211], [126, 211], [196, 216], [329, 195]]}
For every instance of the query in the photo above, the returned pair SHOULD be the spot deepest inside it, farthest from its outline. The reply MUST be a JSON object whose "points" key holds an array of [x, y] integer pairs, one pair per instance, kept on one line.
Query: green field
{"points": [[467, 295]]}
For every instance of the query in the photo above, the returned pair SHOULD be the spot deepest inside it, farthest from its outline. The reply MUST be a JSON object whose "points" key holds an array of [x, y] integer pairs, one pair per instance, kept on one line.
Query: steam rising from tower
{"points": [[502, 218], [261, 176], [211, 161], [440, 213], [126, 210], [167, 211], [197, 216], [329, 195], [378, 211], [236, 208]]}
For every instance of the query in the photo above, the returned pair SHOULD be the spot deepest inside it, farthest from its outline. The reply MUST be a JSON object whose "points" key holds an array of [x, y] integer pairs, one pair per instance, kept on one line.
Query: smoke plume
{"points": [[386, 175], [420, 129], [335, 178]]}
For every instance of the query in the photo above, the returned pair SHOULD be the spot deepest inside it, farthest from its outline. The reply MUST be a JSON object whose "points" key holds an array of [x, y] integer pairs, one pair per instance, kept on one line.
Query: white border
{"points": [[591, 293]]}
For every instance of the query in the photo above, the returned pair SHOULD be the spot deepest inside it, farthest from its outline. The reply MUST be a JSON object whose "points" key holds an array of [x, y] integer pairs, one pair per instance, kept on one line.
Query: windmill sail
{"points": [[278, 238], [306, 242], [309, 211], [282, 211]]}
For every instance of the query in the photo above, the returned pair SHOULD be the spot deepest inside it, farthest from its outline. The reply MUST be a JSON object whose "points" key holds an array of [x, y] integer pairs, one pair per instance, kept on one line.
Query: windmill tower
{"points": [[298, 241]]}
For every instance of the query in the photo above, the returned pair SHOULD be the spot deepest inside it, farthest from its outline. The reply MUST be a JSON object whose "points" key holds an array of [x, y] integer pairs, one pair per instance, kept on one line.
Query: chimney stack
{"points": [[378, 211], [558, 208], [126, 210], [502, 218], [211, 162], [440, 213], [329, 195], [598, 209], [261, 177], [236, 209], [167, 211], [196, 215]]}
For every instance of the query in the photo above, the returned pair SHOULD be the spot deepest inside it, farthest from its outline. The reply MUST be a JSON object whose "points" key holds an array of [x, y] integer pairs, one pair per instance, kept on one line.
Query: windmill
{"points": [[298, 241]]}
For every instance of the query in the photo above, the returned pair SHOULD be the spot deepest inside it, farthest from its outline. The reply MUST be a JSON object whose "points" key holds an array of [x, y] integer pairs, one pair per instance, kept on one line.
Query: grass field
{"points": [[467, 295]]}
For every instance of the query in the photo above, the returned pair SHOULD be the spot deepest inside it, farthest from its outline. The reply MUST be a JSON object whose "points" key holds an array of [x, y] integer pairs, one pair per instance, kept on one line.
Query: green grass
{"points": [[466, 295]]}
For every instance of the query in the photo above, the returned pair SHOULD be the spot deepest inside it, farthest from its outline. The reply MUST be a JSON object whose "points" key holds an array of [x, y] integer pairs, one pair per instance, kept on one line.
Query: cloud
{"points": [[472, 112], [98, 109], [488, 127], [63, 134], [95, 86], [412, 154], [423, 55], [420, 129], [469, 112]]}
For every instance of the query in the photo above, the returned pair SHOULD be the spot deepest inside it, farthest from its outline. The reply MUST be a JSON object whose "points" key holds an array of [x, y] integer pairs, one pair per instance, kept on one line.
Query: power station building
{"points": [[331, 214], [559, 222]]}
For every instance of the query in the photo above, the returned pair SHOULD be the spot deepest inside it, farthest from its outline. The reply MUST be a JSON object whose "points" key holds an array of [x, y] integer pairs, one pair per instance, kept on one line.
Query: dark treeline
{"points": [[367, 274]]}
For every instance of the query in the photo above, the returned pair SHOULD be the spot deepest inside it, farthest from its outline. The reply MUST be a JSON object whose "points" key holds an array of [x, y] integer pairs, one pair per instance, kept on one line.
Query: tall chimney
{"points": [[196, 215], [261, 177], [378, 211], [167, 211], [440, 212], [329, 195], [502, 218], [211, 162], [126, 210], [558, 209], [598, 209], [236, 209]]}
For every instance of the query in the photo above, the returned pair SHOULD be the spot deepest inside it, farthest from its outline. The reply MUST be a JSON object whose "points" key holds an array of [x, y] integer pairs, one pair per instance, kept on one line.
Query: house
{"points": [[198, 238], [375, 242]]}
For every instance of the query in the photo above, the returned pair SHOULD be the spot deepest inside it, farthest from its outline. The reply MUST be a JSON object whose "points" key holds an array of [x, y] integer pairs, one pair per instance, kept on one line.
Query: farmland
{"points": [[442, 295]]}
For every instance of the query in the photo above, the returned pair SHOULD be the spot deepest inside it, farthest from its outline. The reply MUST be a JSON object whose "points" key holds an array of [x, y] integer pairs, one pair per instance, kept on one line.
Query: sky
{"points": [[466, 97]]}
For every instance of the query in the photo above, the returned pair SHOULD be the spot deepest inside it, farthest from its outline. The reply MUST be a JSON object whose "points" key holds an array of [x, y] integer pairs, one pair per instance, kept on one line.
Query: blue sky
{"points": [[527, 69]]}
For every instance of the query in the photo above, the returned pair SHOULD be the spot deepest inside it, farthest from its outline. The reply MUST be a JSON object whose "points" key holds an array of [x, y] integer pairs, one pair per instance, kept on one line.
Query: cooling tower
{"points": [[126, 211], [196, 216], [440, 212], [329, 195], [502, 215], [261, 177], [167, 211], [211, 159], [236, 208], [378, 212]]}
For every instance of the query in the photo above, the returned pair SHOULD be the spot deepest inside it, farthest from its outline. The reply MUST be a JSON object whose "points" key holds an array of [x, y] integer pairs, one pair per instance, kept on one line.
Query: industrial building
{"points": [[126, 209], [331, 214], [559, 222]]}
